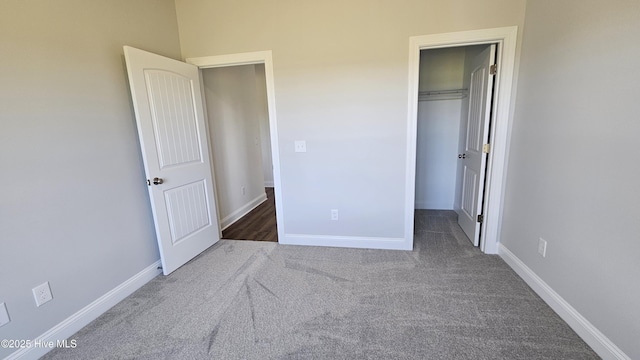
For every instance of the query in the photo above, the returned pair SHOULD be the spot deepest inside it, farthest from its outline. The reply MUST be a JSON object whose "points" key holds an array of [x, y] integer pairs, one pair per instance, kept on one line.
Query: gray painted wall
{"points": [[74, 209], [341, 84], [573, 173]]}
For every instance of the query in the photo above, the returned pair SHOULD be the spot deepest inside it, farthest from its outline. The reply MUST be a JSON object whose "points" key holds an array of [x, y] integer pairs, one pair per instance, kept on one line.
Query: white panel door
{"points": [[474, 159], [173, 138]]}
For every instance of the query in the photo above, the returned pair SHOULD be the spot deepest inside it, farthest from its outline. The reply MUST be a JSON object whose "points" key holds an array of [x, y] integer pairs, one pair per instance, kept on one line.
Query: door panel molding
{"points": [[506, 38], [172, 150]]}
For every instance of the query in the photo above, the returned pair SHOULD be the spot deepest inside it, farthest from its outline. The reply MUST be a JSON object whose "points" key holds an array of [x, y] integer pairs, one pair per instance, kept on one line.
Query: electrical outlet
{"points": [[300, 146], [542, 247], [334, 214], [42, 293], [4, 315]]}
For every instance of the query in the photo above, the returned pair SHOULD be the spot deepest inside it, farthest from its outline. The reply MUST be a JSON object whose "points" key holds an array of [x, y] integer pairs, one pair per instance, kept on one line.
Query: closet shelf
{"points": [[442, 94]]}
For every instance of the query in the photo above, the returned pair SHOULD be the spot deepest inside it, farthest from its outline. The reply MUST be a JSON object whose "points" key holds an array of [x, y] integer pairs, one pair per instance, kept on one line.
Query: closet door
{"points": [[474, 159]]}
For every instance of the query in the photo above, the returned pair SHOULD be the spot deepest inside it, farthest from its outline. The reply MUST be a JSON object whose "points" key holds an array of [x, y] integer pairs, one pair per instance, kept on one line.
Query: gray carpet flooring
{"points": [[258, 300]]}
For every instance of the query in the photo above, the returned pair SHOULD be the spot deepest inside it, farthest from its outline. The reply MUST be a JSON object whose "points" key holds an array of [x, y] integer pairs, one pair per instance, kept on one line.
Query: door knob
{"points": [[157, 181], [462, 156]]}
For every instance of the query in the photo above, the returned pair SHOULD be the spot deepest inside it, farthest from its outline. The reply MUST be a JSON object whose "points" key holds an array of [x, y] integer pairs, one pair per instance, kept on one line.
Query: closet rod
{"points": [[442, 94]]}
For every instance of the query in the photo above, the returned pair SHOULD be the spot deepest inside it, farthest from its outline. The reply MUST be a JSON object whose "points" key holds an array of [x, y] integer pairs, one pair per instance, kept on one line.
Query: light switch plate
{"points": [[542, 247], [4, 315], [300, 146]]}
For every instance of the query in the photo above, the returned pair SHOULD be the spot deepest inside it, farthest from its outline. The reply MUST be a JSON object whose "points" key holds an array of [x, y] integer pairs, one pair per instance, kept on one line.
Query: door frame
{"points": [[500, 134], [253, 58]]}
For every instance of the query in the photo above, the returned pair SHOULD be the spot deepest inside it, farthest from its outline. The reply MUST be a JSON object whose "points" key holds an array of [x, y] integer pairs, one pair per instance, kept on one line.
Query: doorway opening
{"points": [[255, 71], [505, 38], [455, 97], [237, 111]]}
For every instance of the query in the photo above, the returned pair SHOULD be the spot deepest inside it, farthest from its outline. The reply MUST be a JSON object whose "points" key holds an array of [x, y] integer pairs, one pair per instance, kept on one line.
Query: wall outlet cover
{"points": [[42, 294], [300, 146]]}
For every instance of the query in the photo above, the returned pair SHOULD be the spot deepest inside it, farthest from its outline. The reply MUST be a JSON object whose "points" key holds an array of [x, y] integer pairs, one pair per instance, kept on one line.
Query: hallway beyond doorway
{"points": [[258, 225]]}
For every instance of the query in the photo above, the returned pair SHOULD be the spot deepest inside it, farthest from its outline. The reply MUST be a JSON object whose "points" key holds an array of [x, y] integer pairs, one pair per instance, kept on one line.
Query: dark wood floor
{"points": [[259, 224]]}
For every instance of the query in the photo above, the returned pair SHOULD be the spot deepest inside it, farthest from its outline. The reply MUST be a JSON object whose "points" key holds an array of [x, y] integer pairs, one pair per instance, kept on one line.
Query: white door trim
{"points": [[257, 57], [500, 135]]}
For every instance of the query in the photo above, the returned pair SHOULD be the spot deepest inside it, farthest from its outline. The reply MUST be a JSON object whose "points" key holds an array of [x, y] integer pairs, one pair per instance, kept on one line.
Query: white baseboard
{"points": [[242, 211], [347, 241], [589, 333], [268, 184], [431, 205], [82, 318]]}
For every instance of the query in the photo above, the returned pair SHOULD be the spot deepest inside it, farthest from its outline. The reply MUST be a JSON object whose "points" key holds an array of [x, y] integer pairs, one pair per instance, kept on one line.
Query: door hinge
{"points": [[486, 148], [480, 218], [493, 69]]}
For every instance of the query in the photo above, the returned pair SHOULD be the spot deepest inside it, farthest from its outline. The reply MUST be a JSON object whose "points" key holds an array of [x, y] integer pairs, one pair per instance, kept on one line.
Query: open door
{"points": [[474, 158], [173, 138]]}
